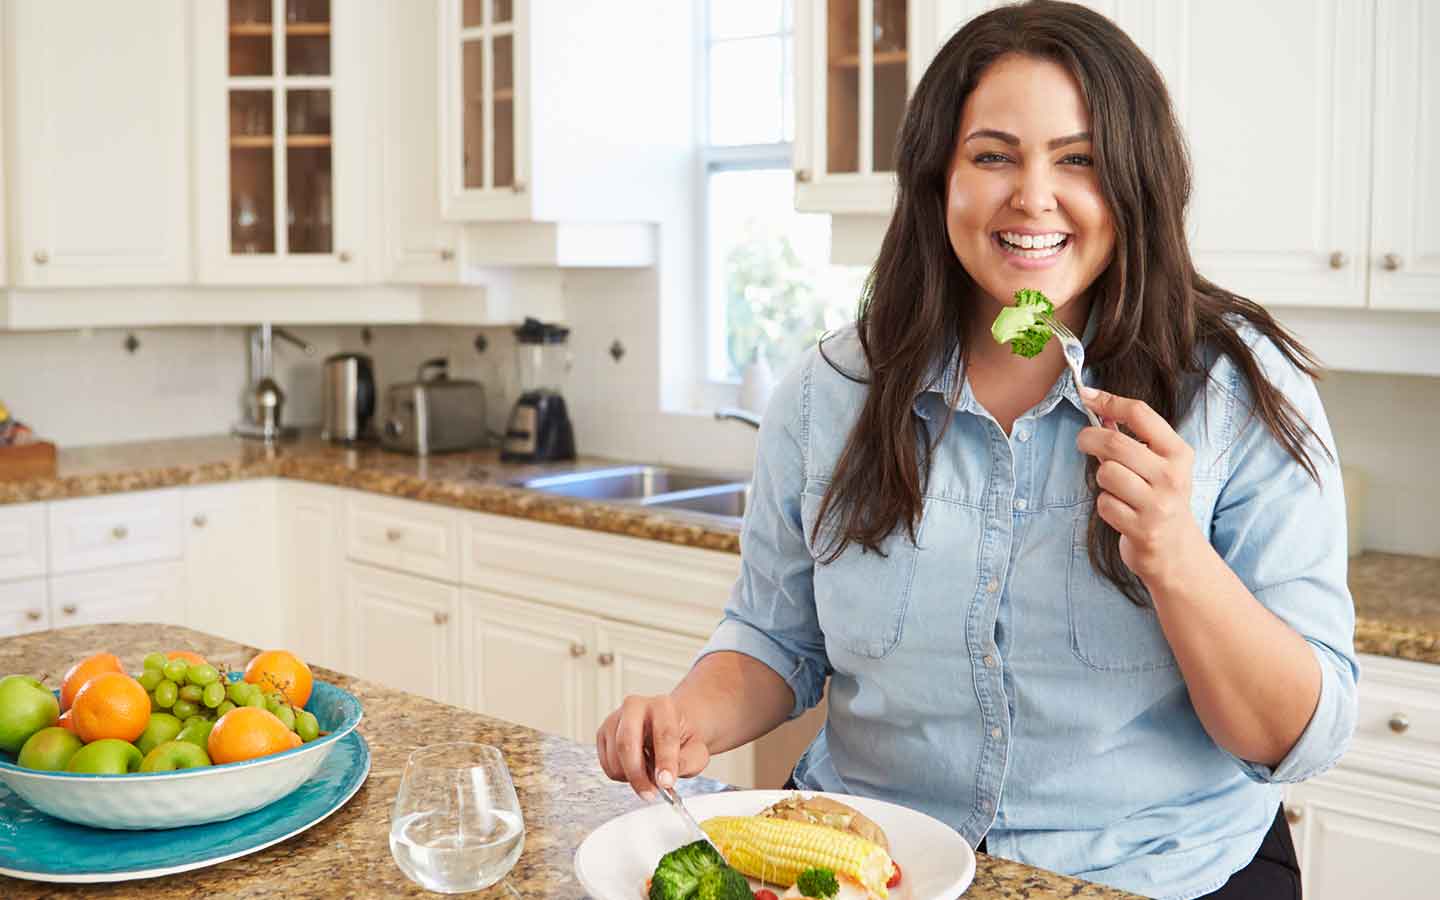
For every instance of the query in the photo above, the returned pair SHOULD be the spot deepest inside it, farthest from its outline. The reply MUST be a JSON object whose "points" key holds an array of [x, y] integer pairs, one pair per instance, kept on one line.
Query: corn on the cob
{"points": [[778, 850]]}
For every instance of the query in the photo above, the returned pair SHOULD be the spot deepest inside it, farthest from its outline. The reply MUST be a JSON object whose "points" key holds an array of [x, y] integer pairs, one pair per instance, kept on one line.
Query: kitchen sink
{"points": [[728, 500], [642, 483]]}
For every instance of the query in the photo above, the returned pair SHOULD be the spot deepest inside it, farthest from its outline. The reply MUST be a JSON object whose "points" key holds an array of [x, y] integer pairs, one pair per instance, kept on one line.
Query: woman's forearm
{"points": [[733, 699], [1254, 681]]}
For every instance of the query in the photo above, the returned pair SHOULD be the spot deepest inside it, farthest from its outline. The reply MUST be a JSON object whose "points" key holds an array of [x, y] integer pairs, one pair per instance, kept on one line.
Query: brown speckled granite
{"points": [[1397, 605], [563, 793]]}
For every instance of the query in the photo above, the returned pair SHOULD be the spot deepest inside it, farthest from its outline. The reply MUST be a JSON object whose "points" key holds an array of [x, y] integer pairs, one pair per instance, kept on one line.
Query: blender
{"points": [[539, 428]]}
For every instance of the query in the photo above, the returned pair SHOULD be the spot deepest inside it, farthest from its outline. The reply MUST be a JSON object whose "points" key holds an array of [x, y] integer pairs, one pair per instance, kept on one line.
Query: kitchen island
{"points": [[563, 793]]}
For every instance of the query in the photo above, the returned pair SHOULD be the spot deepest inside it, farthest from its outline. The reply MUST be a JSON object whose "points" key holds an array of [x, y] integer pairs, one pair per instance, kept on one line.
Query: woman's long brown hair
{"points": [[1154, 312]]}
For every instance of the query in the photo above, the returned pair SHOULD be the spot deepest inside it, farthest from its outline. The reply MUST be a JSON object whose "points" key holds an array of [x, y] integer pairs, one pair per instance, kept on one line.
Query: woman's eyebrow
{"points": [[1012, 140]]}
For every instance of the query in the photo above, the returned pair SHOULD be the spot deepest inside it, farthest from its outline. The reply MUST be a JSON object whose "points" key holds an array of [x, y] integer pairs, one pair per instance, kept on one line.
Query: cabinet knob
{"points": [[119, 532], [447, 254], [1293, 814], [518, 187], [33, 615], [69, 609], [393, 534], [1391, 261], [1399, 723], [577, 650], [200, 521], [802, 175], [441, 618], [41, 257], [605, 659], [345, 256], [1338, 260]]}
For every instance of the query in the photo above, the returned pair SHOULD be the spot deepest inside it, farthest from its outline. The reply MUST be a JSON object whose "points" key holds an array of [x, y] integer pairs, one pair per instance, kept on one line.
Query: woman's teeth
{"points": [[1033, 246]]}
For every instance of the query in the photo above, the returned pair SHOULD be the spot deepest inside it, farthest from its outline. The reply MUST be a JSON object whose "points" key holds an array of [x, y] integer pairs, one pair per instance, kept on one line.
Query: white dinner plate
{"points": [[615, 859]]}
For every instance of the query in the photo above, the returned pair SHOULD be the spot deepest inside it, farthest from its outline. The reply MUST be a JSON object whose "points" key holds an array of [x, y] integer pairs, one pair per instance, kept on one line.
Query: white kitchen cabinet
{"points": [[24, 606], [115, 530], [152, 592], [96, 134], [405, 535], [311, 566], [22, 541], [231, 550], [402, 630], [280, 98]]}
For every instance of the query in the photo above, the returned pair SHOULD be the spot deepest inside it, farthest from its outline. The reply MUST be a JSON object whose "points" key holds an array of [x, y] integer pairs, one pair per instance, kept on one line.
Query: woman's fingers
{"points": [[665, 736], [630, 745], [1148, 425]]}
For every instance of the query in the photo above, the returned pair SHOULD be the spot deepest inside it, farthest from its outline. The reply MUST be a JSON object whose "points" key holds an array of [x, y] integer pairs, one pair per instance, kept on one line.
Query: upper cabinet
{"points": [[95, 136], [281, 140]]}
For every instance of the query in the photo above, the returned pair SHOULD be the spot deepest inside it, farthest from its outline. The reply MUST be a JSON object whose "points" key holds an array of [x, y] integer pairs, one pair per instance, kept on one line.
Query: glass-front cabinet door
{"points": [[483, 124], [292, 145]]}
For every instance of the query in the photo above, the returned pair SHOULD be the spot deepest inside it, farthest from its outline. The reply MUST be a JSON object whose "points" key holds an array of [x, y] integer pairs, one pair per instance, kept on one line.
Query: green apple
{"points": [[197, 733], [49, 749], [25, 708], [163, 727], [174, 755], [108, 756]]}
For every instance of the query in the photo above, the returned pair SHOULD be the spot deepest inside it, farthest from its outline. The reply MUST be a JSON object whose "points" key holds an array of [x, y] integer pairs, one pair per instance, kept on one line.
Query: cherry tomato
{"points": [[894, 879], [765, 894]]}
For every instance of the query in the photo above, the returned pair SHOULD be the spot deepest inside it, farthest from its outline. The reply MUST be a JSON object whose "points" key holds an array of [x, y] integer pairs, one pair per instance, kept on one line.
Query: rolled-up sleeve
{"points": [[771, 613], [1284, 535]]}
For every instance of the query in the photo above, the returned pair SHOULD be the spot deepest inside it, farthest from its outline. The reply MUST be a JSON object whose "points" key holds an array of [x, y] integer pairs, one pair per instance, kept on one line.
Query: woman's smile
{"points": [[1030, 249]]}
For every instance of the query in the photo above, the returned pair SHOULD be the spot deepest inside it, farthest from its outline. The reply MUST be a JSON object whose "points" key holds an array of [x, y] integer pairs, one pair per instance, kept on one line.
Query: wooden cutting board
{"points": [[35, 460]]}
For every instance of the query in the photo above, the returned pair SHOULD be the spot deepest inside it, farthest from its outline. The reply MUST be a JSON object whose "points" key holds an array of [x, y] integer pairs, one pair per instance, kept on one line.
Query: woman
{"points": [[1096, 650]]}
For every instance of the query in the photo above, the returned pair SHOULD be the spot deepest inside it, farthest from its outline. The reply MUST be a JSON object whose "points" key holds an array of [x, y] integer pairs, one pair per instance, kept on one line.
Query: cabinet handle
{"points": [[69, 609], [441, 618], [447, 254], [200, 521], [41, 257], [802, 175], [577, 650], [1293, 814], [119, 532], [33, 615], [605, 659], [1338, 260], [1399, 723], [393, 534], [518, 187], [345, 256], [1391, 261]]}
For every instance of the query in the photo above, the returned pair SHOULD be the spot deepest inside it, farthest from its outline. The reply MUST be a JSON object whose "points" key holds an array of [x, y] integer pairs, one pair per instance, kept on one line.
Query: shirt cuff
{"points": [[1325, 738], [740, 637]]}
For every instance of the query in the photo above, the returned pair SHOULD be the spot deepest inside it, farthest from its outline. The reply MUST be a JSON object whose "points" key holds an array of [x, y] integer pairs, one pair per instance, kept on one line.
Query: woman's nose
{"points": [[1033, 191]]}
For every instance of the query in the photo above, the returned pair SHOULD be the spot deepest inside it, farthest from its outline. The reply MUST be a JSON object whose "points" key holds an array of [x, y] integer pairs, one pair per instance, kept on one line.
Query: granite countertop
{"points": [[563, 794], [1397, 598]]}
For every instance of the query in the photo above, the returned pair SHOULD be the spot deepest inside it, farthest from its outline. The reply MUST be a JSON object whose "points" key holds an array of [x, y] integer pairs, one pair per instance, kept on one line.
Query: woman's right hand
{"points": [[646, 728]]}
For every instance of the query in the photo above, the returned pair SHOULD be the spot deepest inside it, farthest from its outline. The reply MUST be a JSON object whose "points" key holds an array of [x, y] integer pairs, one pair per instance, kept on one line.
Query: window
{"points": [[770, 288]]}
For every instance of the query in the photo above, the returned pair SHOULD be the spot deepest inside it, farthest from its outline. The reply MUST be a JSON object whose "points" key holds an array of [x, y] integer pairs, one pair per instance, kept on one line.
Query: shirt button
{"points": [[1022, 435], [989, 661], [996, 732], [1020, 504], [992, 585], [985, 805]]}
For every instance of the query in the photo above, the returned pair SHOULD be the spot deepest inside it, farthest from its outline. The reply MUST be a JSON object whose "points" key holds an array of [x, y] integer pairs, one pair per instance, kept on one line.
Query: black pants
{"points": [[1274, 873]]}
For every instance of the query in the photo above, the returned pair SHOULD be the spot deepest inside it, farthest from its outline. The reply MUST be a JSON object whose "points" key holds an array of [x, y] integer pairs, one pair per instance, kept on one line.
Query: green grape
{"points": [[255, 699], [155, 661], [274, 702], [224, 708], [203, 674], [166, 694], [286, 714], [192, 692], [154, 704], [213, 694], [184, 709], [199, 717], [175, 670], [306, 725], [150, 678], [237, 691]]}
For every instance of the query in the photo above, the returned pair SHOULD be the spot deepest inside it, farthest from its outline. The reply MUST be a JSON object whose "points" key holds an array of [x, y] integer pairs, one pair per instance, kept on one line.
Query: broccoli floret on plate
{"points": [[677, 877], [818, 882], [724, 884]]}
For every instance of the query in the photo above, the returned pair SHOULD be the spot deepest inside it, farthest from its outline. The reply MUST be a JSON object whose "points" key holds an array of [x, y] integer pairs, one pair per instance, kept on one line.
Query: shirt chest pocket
{"points": [[861, 598], [1107, 631]]}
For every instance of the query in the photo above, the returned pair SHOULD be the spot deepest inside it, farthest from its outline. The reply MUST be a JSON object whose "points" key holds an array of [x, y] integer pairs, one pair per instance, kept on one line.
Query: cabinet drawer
{"points": [[1399, 707], [114, 531], [23, 607], [22, 541], [419, 538], [148, 593]]}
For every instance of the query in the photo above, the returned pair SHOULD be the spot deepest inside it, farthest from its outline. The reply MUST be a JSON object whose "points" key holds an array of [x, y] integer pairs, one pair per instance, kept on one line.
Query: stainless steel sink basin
{"points": [[640, 483], [728, 500]]}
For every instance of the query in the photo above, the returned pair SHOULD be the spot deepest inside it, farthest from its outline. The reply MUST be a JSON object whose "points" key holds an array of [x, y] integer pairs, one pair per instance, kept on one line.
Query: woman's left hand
{"points": [[1145, 486]]}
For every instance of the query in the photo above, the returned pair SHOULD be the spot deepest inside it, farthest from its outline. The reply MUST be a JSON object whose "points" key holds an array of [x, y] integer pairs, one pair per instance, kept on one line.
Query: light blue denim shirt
{"points": [[990, 677]]}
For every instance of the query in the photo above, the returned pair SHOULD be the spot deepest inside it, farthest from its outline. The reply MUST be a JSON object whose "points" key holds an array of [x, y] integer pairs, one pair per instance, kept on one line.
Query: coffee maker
{"points": [[539, 427]]}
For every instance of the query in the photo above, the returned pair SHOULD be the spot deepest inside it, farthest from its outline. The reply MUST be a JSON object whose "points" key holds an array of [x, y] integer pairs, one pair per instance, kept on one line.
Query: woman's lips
{"points": [[1030, 259]]}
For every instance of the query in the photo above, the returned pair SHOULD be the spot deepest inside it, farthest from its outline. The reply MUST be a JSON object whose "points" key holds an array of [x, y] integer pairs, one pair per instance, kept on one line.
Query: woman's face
{"points": [[1024, 207]]}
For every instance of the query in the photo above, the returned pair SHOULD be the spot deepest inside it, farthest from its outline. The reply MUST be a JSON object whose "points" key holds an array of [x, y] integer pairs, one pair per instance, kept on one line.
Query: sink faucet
{"points": [[263, 397], [739, 415]]}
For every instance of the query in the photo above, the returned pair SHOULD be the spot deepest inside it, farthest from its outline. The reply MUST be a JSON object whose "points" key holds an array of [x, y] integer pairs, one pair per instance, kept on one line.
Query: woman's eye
{"points": [[1078, 159], [990, 158]]}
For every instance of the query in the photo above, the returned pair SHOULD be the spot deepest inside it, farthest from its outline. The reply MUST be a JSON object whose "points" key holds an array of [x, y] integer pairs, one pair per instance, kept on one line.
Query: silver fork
{"points": [[672, 797], [1074, 357]]}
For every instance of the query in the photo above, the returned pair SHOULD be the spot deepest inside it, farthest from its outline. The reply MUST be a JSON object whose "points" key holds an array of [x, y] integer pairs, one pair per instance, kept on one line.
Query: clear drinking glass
{"points": [[456, 825]]}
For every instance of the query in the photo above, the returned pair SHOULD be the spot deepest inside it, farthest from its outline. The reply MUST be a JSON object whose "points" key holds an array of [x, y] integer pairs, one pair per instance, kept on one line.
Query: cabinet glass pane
{"points": [[842, 86], [309, 215], [500, 11], [889, 84], [472, 13], [252, 199], [307, 37], [472, 77], [251, 36], [504, 111], [307, 116]]}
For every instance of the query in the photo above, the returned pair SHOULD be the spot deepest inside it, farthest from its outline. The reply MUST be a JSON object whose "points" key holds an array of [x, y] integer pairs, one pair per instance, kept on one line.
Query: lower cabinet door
{"points": [[402, 630], [230, 564], [23, 606], [638, 660], [146, 593], [530, 664]]}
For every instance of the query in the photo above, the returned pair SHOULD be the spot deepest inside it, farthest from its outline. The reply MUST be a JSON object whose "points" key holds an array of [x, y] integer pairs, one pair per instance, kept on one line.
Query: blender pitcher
{"points": [[539, 427]]}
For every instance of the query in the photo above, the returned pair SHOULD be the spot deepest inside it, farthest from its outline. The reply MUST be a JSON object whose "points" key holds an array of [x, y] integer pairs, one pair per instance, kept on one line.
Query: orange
{"points": [[189, 656], [283, 671], [67, 721], [247, 732], [83, 671], [111, 705]]}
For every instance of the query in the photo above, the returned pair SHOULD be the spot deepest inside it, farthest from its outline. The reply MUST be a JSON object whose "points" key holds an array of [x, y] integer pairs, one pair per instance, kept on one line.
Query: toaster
{"points": [[434, 413]]}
